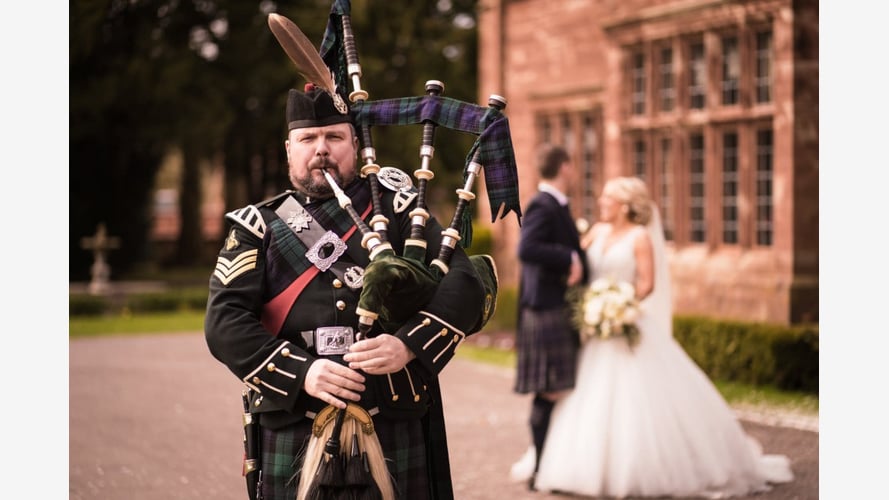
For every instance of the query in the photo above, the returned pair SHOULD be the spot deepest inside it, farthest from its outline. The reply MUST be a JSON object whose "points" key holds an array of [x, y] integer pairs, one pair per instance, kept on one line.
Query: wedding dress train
{"points": [[647, 421]]}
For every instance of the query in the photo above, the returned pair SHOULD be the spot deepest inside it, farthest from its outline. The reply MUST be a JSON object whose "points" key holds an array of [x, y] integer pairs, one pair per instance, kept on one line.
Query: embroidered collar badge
{"points": [[299, 219]]}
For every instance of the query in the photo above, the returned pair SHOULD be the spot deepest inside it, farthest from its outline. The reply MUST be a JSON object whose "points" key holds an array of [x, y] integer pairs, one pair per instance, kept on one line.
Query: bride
{"points": [[646, 421]]}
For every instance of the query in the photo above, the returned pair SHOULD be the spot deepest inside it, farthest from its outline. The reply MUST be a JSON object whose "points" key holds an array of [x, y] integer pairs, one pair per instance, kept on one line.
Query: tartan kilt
{"points": [[401, 440], [547, 345]]}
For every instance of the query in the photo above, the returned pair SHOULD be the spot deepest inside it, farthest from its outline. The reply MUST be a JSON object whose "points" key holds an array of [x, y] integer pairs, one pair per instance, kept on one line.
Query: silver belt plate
{"points": [[333, 340]]}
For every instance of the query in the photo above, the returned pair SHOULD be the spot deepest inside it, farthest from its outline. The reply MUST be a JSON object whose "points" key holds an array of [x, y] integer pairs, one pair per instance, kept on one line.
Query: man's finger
{"points": [[351, 385], [368, 365], [347, 373], [329, 399], [365, 345]]}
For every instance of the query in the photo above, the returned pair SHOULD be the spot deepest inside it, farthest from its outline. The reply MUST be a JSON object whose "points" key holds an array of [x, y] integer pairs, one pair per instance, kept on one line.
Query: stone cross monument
{"points": [[100, 272]]}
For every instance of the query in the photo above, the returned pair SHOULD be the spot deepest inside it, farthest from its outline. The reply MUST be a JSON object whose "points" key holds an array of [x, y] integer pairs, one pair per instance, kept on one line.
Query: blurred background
{"points": [[177, 114], [177, 117]]}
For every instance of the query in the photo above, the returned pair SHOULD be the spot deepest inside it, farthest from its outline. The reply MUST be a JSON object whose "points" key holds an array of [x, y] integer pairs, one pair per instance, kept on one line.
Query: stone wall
{"points": [[565, 68]]}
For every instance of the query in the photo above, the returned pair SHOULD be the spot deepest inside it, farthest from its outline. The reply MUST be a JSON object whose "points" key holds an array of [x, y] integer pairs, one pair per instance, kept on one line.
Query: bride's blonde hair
{"points": [[633, 192]]}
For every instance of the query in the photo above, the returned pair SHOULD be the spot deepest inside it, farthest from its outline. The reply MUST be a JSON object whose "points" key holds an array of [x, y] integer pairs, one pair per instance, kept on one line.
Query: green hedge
{"points": [[87, 305], [504, 318], [182, 300], [754, 353], [481, 240], [186, 299], [785, 357]]}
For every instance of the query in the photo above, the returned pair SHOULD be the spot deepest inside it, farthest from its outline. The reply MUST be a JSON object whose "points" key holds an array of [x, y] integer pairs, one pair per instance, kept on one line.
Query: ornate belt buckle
{"points": [[333, 340]]}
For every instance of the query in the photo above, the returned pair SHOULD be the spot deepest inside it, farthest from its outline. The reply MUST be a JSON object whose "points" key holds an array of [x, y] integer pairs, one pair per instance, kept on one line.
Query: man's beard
{"points": [[309, 186]]}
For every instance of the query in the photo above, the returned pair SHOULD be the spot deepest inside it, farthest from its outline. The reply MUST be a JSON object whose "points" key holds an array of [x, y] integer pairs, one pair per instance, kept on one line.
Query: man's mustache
{"points": [[322, 163]]}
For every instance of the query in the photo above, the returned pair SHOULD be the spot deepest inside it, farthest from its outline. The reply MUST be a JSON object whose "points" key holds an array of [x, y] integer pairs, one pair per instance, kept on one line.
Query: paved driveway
{"points": [[156, 417]]}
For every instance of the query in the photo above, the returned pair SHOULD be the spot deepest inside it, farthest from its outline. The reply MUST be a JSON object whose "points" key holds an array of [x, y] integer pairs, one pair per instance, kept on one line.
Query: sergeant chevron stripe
{"points": [[227, 270]]}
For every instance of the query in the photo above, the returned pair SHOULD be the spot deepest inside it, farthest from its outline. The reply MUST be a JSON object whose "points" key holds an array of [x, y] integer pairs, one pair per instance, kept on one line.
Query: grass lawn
{"points": [[91, 326], [193, 321]]}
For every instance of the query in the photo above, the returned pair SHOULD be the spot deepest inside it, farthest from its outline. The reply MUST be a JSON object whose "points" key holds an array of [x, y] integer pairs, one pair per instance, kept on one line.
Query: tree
{"points": [[115, 145], [208, 78]]}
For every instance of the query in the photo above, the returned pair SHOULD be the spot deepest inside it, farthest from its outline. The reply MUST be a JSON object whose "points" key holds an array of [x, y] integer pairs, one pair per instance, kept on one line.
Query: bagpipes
{"points": [[395, 287]]}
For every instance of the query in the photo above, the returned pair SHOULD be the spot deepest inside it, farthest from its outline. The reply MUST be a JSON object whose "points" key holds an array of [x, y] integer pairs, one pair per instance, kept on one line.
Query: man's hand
{"points": [[380, 355], [575, 274], [333, 383]]}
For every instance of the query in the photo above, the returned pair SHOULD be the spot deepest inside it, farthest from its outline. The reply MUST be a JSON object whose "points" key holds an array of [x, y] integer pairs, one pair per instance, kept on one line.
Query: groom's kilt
{"points": [[546, 347], [407, 462]]}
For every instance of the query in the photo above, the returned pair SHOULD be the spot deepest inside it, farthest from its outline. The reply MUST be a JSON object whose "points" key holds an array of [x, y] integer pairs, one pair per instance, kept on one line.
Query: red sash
{"points": [[274, 312]]}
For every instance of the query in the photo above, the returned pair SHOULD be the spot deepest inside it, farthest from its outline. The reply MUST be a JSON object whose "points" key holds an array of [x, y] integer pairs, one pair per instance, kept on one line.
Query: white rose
{"points": [[631, 314], [611, 309], [600, 285], [626, 289], [592, 312]]}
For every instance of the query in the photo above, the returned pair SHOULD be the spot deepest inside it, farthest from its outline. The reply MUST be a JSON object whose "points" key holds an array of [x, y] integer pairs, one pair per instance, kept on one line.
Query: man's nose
{"points": [[322, 148]]}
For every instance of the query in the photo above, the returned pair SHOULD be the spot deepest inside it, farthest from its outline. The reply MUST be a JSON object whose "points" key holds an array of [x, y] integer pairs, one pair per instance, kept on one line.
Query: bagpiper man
{"points": [[338, 303], [281, 312]]}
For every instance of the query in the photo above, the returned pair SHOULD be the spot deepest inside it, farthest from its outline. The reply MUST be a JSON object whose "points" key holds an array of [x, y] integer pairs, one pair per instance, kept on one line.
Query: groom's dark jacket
{"points": [[548, 238]]}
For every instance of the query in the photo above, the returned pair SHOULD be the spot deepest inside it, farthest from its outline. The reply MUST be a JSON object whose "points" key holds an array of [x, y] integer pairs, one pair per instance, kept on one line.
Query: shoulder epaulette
{"points": [[250, 218]]}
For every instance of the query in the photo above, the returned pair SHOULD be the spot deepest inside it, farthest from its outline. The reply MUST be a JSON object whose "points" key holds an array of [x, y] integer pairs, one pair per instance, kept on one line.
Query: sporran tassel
{"points": [[328, 483], [331, 473]]}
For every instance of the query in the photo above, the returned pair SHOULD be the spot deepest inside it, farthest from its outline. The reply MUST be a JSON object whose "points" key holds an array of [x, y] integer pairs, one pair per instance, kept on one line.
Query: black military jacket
{"points": [[263, 259], [548, 239]]}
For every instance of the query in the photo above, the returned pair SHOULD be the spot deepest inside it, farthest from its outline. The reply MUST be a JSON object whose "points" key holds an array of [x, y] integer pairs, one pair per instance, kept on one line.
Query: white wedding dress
{"points": [[648, 421]]}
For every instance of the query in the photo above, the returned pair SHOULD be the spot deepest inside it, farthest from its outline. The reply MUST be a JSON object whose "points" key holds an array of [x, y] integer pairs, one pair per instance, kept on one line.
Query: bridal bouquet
{"points": [[606, 309]]}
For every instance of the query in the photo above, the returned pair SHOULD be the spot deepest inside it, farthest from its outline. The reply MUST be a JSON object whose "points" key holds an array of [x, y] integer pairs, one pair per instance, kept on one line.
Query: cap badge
{"points": [[394, 179], [339, 103], [231, 242], [354, 277]]}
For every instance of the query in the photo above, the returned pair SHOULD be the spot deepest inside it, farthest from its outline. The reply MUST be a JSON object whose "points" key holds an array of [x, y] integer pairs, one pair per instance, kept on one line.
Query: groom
{"points": [[552, 262]]}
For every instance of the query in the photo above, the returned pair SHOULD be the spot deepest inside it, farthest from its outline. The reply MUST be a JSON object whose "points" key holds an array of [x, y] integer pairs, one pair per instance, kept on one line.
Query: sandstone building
{"points": [[714, 103]]}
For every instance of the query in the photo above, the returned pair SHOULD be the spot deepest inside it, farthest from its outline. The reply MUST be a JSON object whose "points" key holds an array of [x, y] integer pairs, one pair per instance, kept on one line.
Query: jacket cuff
{"points": [[279, 378], [431, 339]]}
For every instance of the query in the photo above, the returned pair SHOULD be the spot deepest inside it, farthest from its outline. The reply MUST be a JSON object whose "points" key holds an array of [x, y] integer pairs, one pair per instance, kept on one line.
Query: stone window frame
{"points": [[580, 132], [764, 64], [697, 75], [696, 166], [696, 221], [666, 77], [731, 186], [764, 176], [730, 62]]}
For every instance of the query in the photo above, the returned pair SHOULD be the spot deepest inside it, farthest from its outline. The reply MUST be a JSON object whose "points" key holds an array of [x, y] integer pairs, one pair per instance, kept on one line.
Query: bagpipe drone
{"points": [[343, 445]]}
